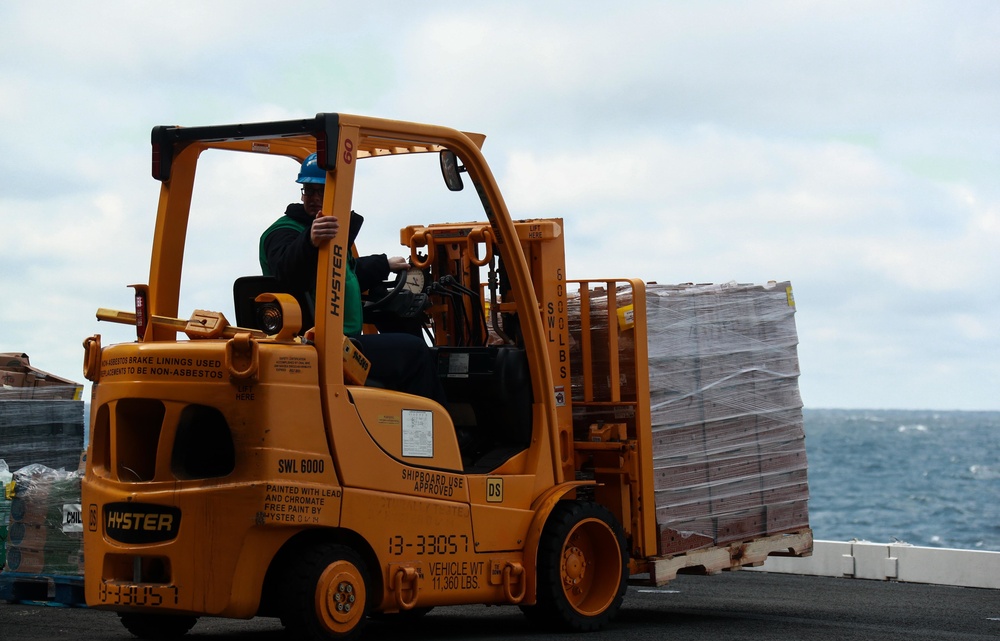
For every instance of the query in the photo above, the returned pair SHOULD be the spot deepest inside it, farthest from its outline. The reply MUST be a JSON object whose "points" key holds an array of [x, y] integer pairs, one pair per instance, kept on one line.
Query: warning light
{"points": [[141, 309]]}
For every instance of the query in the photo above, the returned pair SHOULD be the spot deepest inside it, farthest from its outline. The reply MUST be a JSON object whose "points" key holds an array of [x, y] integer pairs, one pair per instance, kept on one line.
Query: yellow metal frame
{"points": [[634, 476]]}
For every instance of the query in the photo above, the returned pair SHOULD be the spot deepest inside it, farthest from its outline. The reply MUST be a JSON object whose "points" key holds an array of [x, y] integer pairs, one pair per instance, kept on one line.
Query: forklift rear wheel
{"points": [[582, 568], [157, 626], [325, 592]]}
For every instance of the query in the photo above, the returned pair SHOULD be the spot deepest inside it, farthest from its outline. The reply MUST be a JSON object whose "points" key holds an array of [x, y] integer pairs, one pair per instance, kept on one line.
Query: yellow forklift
{"points": [[253, 468]]}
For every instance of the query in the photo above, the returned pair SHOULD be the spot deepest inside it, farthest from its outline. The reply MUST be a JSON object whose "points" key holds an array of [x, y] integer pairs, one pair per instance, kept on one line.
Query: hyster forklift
{"points": [[255, 469]]}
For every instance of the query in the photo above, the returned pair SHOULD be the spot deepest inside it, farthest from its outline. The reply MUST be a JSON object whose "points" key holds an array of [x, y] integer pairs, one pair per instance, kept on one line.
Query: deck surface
{"points": [[737, 605]]}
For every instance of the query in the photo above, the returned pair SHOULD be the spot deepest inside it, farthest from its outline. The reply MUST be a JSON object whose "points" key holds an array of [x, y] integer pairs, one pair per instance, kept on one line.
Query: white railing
{"points": [[893, 561]]}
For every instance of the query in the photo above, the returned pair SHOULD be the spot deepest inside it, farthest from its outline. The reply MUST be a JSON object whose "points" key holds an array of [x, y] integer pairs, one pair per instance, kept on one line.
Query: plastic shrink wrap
{"points": [[728, 443], [6, 486], [45, 531], [41, 416]]}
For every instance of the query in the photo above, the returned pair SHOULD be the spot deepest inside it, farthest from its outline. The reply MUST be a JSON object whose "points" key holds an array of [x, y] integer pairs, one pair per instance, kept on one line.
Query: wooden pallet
{"points": [[732, 556], [42, 589]]}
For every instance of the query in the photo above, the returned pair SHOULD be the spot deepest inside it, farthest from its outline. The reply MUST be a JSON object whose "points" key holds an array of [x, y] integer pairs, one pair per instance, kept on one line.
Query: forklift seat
{"points": [[247, 288]]}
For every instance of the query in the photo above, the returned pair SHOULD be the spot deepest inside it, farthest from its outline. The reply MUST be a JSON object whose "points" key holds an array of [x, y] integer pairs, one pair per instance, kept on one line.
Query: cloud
{"points": [[848, 147]]}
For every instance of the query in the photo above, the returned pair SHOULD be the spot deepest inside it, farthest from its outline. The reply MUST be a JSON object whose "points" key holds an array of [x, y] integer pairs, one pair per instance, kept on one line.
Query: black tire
{"points": [[157, 626], [582, 568], [325, 593]]}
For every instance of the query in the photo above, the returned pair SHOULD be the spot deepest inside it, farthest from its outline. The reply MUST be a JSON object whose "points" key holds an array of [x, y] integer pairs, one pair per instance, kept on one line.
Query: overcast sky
{"points": [[850, 147]]}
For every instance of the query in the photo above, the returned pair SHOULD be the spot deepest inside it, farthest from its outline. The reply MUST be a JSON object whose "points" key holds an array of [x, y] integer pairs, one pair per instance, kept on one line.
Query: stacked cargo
{"points": [[728, 442], [41, 416], [19, 380], [41, 437], [45, 535], [45, 432], [6, 481]]}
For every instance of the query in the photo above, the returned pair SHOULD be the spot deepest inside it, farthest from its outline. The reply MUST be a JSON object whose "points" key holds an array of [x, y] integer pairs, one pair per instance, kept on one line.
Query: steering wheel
{"points": [[386, 293]]}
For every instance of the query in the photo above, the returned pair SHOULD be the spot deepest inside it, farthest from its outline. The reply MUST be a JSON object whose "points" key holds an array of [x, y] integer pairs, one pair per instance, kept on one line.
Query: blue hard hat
{"points": [[311, 172]]}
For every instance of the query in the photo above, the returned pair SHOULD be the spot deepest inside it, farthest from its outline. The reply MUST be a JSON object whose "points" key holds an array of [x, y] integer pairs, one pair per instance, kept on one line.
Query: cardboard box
{"points": [[19, 380], [14, 361], [686, 536]]}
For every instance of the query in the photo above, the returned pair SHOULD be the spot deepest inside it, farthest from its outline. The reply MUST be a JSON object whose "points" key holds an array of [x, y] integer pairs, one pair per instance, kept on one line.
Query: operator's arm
{"points": [[371, 270], [292, 257]]}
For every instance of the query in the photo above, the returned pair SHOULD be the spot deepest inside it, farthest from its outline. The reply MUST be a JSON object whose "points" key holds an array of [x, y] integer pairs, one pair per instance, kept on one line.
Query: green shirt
{"points": [[353, 318]]}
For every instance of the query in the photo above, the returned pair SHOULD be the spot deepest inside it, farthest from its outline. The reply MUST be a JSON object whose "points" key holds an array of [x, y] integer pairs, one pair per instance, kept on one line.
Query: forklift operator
{"points": [[289, 250]]}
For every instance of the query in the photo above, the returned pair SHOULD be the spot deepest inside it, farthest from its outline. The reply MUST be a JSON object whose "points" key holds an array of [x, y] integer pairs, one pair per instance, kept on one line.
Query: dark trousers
{"points": [[403, 362]]}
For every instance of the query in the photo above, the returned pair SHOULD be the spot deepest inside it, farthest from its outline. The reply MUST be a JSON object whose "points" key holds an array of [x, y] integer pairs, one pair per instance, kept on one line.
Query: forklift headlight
{"points": [[278, 315], [269, 317]]}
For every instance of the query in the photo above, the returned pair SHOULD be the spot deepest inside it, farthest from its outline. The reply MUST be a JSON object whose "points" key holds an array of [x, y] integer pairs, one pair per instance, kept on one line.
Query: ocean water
{"points": [[922, 477]]}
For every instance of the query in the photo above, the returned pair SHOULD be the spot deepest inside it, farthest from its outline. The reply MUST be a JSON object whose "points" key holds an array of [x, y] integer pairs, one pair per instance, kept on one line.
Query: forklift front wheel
{"points": [[582, 568]]}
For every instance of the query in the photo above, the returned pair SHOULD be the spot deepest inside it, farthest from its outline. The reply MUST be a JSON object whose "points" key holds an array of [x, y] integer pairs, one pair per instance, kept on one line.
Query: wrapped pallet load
{"points": [[728, 442], [41, 416], [45, 535], [6, 481]]}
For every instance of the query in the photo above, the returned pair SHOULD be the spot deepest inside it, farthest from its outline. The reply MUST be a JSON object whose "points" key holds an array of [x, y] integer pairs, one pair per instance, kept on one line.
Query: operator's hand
{"points": [[398, 264], [323, 228]]}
